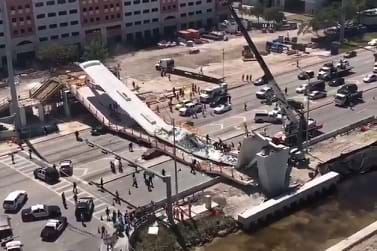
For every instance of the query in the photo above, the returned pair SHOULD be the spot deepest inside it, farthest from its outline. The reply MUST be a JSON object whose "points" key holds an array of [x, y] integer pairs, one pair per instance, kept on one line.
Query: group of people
{"points": [[247, 77], [122, 222]]}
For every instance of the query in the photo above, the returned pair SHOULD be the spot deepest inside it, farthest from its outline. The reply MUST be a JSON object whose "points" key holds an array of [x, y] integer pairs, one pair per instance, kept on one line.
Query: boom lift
{"points": [[296, 127]]}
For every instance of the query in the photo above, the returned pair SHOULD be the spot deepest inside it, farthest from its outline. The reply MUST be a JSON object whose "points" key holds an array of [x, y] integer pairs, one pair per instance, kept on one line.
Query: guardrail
{"points": [[341, 130]]}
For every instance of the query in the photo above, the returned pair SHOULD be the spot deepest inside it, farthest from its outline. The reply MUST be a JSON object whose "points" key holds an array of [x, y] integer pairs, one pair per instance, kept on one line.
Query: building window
{"points": [[1, 34], [74, 22], [54, 37], [137, 12], [128, 14], [137, 22], [191, 13], [51, 14], [39, 4], [42, 27], [154, 20], [146, 22], [209, 1], [154, 9], [198, 2], [41, 39], [183, 14], [199, 12], [137, 2], [75, 34], [50, 3], [61, 1], [182, 5], [127, 3], [39, 16], [62, 13], [71, 1], [64, 35], [209, 10], [145, 11], [53, 26], [128, 24], [190, 3], [145, 1], [65, 24], [73, 11]]}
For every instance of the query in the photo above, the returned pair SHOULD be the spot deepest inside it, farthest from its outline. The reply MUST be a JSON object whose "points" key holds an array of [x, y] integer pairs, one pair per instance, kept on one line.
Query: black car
{"points": [[350, 54], [151, 154], [40, 212], [54, 228], [337, 82], [84, 209], [297, 105], [305, 75], [98, 130], [260, 81], [219, 100], [47, 174]]}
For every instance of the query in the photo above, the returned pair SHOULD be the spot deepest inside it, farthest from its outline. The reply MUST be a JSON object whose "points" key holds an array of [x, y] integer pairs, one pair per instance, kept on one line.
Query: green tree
{"points": [[95, 50], [56, 54], [273, 14]]}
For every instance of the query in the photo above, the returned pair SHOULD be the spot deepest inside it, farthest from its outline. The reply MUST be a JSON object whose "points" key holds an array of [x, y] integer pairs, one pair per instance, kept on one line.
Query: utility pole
{"points": [[175, 159], [8, 48], [342, 21]]}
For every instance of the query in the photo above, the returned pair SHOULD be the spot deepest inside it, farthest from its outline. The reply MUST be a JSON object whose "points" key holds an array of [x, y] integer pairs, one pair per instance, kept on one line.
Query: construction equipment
{"points": [[296, 126], [347, 95]]}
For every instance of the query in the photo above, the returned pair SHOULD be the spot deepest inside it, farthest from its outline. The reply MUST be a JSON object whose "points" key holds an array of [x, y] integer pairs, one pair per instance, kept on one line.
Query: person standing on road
{"points": [[101, 183], [12, 158], [30, 151], [64, 201], [75, 197], [74, 187], [107, 212], [77, 135], [117, 197], [286, 91], [103, 231], [245, 107], [130, 147], [163, 172], [134, 181]]}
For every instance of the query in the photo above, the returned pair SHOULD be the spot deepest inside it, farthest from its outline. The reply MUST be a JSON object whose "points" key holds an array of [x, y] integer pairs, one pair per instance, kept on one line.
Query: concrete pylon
{"points": [[67, 105]]}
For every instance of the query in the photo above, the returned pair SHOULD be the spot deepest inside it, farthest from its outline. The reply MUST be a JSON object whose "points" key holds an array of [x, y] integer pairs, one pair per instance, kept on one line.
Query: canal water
{"points": [[316, 227]]}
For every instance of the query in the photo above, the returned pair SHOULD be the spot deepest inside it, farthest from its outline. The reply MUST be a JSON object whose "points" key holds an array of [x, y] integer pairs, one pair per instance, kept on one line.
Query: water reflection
{"points": [[326, 222]]}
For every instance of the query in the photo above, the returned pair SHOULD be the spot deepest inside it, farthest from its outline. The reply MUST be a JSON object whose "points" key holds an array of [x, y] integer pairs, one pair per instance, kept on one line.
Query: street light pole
{"points": [[8, 49], [175, 159], [223, 62]]}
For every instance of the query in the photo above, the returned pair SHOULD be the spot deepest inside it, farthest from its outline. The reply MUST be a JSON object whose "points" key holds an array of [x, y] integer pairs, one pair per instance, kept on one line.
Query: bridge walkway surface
{"points": [[98, 102]]}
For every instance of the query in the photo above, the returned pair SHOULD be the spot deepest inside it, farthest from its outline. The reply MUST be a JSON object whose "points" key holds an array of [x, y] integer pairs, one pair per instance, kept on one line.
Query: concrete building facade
{"points": [[34, 23]]}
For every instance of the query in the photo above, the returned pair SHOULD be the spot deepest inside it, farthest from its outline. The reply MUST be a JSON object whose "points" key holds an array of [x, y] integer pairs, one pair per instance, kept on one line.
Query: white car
{"points": [[370, 78], [13, 246], [222, 108], [182, 104], [301, 88], [264, 92], [373, 42]]}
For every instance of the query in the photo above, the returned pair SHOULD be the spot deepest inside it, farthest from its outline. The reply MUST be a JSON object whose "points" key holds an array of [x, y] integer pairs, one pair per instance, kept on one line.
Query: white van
{"points": [[15, 200], [268, 117]]}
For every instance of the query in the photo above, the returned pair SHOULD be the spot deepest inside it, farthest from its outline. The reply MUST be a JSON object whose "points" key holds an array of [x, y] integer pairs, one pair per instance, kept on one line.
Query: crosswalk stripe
{"points": [[63, 188], [62, 183]]}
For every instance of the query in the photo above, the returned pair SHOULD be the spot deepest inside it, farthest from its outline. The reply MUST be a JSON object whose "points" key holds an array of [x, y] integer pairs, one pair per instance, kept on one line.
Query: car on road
{"points": [[337, 82], [6, 232], [298, 105], [317, 95], [15, 201], [219, 100], [66, 168], [373, 42], [268, 117], [264, 92], [222, 108], [54, 228], [260, 81], [84, 209], [98, 130], [14, 246], [191, 108], [151, 153], [370, 78], [350, 54], [375, 68], [301, 88], [182, 104], [40, 212], [305, 75], [46, 174]]}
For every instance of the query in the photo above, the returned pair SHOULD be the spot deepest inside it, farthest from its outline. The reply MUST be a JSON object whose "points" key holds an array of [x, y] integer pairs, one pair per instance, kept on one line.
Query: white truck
{"points": [[209, 94]]}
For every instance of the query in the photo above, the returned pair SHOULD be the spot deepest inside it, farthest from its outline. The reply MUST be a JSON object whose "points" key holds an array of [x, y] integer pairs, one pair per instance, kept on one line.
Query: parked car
{"points": [[222, 108], [260, 81], [268, 117], [40, 212], [98, 130], [191, 108], [15, 201], [151, 154], [298, 105], [350, 54], [182, 104], [66, 168], [47, 174], [84, 209], [54, 228], [264, 92], [370, 78], [219, 100], [305, 75], [337, 82], [14, 246], [317, 95]]}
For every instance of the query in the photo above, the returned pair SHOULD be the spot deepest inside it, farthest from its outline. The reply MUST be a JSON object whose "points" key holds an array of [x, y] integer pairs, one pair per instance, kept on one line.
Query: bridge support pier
{"points": [[41, 113], [67, 105]]}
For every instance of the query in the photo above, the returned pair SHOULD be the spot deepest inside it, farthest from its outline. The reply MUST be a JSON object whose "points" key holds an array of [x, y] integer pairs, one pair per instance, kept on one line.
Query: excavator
{"points": [[296, 128]]}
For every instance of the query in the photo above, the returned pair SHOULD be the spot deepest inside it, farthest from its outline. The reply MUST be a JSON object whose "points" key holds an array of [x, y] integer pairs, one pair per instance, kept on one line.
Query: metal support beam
{"points": [[9, 55]]}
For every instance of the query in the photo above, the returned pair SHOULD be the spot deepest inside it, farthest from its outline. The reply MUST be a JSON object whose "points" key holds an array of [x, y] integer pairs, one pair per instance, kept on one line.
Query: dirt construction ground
{"points": [[139, 66]]}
